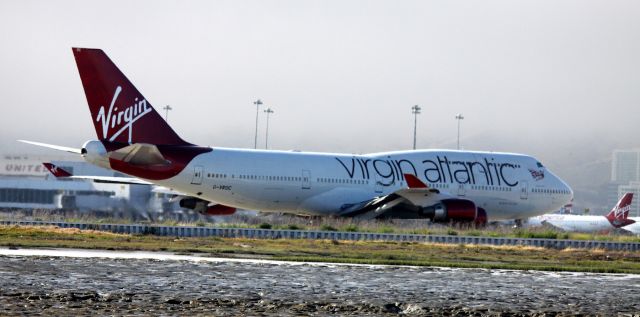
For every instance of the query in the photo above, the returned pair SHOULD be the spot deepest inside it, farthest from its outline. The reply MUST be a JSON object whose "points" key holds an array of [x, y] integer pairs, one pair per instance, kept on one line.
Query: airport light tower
{"points": [[459, 117], [166, 112], [268, 111], [255, 141], [416, 111]]}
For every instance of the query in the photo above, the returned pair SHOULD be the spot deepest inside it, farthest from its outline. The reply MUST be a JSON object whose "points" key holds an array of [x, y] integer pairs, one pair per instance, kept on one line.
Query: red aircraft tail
{"points": [[618, 216], [56, 171], [118, 110]]}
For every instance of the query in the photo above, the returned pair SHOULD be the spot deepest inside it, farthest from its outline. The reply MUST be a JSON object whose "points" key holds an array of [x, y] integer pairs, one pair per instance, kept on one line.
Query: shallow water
{"points": [[63, 282]]}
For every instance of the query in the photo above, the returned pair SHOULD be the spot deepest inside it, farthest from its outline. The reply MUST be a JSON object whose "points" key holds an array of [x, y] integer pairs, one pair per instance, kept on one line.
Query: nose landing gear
{"points": [[518, 223]]}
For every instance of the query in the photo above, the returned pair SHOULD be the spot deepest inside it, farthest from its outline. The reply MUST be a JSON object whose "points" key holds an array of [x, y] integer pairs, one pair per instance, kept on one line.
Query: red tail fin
{"points": [[56, 171], [119, 111], [618, 215]]}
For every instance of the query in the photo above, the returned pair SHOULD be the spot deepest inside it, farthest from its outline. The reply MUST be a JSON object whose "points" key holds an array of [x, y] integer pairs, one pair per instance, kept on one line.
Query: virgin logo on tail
{"points": [[537, 175], [618, 217], [621, 212], [56, 171], [121, 118]]}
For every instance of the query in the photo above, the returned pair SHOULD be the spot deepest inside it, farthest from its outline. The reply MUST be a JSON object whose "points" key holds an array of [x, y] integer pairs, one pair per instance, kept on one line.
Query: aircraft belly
{"points": [[334, 201]]}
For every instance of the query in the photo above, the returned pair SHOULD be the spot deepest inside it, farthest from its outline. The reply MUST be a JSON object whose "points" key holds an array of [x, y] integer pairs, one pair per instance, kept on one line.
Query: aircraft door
{"points": [[306, 179], [461, 190], [524, 190], [378, 184], [197, 175]]}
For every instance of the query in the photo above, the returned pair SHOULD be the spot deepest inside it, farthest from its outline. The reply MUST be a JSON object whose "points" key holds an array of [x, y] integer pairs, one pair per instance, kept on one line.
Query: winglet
{"points": [[414, 182], [618, 215], [56, 171]]}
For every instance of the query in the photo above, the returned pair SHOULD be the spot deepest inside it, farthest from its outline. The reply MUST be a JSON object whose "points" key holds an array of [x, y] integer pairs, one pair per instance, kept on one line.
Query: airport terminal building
{"points": [[26, 184], [625, 178]]}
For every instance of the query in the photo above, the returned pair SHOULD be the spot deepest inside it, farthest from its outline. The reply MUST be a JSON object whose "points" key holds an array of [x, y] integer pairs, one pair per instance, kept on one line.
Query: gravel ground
{"points": [[63, 286]]}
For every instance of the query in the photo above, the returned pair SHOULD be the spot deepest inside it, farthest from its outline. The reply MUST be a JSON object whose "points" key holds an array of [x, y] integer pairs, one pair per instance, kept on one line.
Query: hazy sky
{"points": [[555, 79]]}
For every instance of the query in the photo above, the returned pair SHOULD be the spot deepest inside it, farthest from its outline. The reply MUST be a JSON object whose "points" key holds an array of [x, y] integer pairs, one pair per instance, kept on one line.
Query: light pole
{"points": [[255, 141], [416, 111], [459, 117], [268, 111], [166, 114]]}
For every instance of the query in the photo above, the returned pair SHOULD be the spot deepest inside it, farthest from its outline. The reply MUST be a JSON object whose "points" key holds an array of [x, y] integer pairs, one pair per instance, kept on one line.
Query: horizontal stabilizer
{"points": [[52, 146], [114, 180], [60, 172]]}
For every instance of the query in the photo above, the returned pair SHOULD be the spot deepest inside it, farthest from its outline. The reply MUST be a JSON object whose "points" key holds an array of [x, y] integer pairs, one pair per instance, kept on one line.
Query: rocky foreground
{"points": [[49, 286]]}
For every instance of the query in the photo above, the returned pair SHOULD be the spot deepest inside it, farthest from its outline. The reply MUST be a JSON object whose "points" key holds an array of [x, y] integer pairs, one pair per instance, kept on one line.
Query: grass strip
{"points": [[351, 225], [359, 252]]}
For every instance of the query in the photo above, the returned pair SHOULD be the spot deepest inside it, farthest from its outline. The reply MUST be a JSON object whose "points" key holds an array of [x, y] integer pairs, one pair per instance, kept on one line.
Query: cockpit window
{"points": [[539, 164]]}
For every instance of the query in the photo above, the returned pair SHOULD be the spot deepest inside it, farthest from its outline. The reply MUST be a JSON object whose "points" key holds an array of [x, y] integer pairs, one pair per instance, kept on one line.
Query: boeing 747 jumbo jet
{"points": [[441, 185]]}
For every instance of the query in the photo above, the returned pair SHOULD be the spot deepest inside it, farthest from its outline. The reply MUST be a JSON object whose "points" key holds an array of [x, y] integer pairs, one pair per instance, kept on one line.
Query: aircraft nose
{"points": [[567, 189]]}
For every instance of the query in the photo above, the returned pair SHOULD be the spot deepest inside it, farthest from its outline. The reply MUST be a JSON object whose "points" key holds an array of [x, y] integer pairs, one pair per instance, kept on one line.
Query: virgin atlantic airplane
{"points": [[618, 217], [441, 185]]}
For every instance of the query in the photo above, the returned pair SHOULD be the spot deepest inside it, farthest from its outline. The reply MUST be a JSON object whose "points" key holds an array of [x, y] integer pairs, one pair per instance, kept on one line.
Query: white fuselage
{"points": [[578, 223], [634, 227], [507, 186]]}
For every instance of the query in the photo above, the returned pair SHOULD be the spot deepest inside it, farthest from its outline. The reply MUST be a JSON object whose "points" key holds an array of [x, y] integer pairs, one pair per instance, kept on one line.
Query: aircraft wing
{"points": [[416, 193], [557, 224], [565, 222], [167, 191], [419, 201]]}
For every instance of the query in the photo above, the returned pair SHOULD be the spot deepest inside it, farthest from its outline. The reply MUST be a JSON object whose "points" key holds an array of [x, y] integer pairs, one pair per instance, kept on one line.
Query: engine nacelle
{"points": [[219, 210], [95, 153], [456, 210], [195, 204], [202, 207], [481, 218]]}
